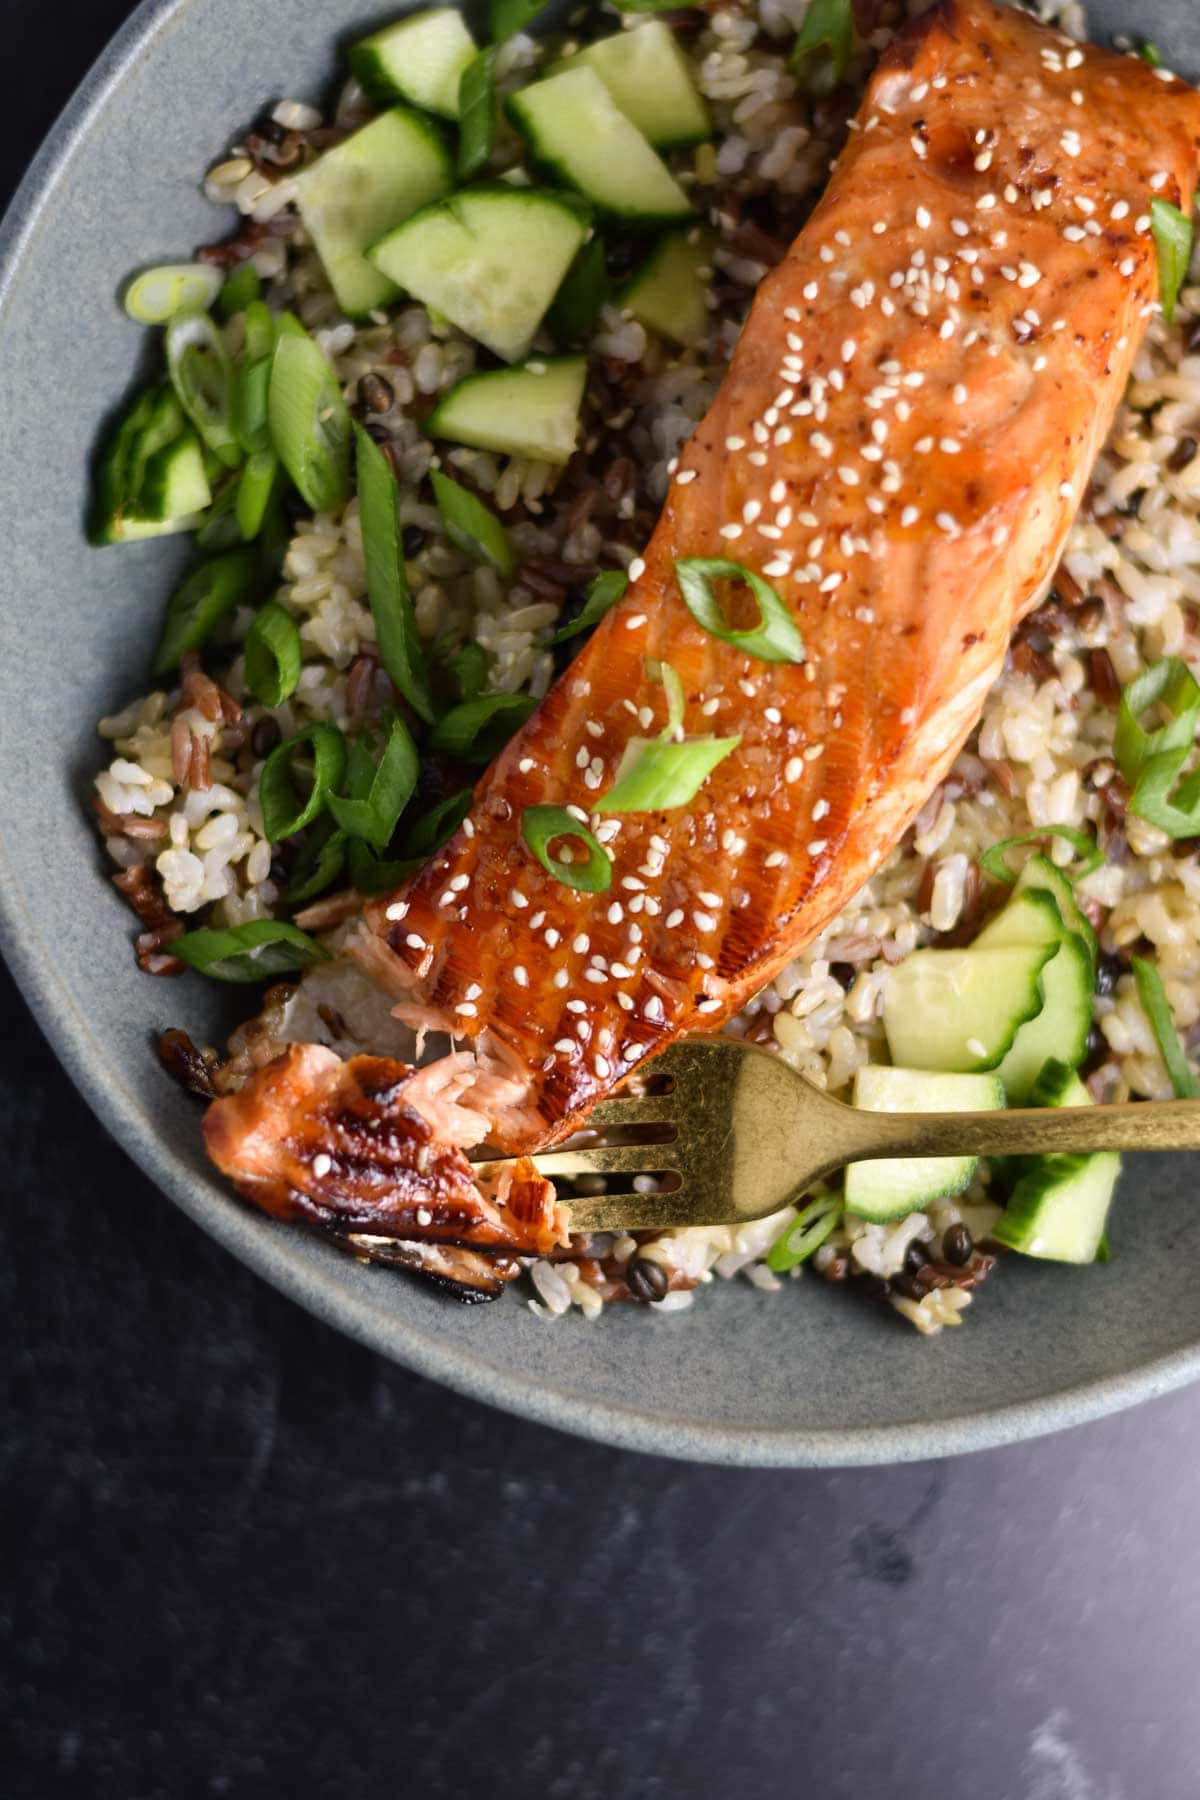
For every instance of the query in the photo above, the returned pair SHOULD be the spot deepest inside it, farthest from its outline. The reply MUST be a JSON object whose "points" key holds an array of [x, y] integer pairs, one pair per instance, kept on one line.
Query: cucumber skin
{"points": [[1033, 915], [702, 130], [958, 1177], [1023, 1226], [132, 471], [1040, 872], [565, 198], [369, 298], [454, 206], [633, 219], [1030, 916], [652, 270], [369, 68], [1058, 1084], [178, 462], [1021, 1064], [995, 1056], [1040, 1178], [945, 1175]]}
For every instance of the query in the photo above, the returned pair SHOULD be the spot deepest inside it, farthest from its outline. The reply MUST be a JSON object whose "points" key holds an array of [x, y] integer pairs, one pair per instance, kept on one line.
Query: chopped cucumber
{"points": [[419, 59], [363, 188], [575, 128], [668, 291], [490, 260], [1061, 1028], [959, 1010], [175, 485], [579, 300], [1030, 917], [894, 1186], [123, 457], [150, 479], [532, 411], [648, 77], [1059, 1207], [1040, 872]]}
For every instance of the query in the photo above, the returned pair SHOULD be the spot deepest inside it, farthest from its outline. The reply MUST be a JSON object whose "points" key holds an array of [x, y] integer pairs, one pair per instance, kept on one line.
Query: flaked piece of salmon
{"points": [[902, 438], [371, 1149]]}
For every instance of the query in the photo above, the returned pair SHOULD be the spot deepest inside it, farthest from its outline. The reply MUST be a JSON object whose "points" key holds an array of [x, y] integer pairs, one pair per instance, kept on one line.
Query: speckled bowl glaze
{"points": [[803, 1378]]}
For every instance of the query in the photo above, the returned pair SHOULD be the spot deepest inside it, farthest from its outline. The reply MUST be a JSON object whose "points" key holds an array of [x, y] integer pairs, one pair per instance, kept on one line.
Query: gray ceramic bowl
{"points": [[802, 1378]]}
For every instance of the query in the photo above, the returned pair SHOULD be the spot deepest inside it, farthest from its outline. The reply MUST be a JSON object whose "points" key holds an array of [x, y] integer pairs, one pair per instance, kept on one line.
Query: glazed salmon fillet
{"points": [[903, 436]]}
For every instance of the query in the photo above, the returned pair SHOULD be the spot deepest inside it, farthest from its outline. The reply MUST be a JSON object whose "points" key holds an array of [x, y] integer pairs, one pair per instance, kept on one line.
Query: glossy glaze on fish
{"points": [[904, 434]]}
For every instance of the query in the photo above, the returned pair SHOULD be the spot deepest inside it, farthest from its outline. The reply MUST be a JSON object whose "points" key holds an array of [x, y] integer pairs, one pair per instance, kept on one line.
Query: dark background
{"points": [[242, 1556]]}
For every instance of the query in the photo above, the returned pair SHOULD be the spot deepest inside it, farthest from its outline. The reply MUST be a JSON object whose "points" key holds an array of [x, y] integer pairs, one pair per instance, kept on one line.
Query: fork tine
{"points": [[634, 1109], [605, 1159]]}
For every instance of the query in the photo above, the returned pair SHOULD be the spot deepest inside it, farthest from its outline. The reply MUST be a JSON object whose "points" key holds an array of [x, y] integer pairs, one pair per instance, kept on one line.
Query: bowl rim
{"points": [[318, 1288]]}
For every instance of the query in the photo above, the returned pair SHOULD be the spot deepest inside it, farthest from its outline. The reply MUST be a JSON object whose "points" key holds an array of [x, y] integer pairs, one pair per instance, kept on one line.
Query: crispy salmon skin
{"points": [[903, 436]]}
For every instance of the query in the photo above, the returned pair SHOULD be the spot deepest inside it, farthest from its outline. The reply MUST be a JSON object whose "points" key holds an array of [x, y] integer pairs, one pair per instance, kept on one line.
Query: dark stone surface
{"points": [[243, 1556]]}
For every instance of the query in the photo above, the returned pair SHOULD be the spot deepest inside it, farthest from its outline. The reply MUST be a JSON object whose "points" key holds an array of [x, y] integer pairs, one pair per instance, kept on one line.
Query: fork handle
{"points": [[1138, 1125]]}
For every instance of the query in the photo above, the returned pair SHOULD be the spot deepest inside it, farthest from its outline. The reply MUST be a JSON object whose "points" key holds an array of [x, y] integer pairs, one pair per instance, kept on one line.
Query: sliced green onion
{"points": [[469, 669], [994, 861], [251, 952], [284, 811], [429, 833], [202, 376], [310, 421], [373, 816], [806, 1233], [201, 601], [260, 328], [1168, 683], [372, 874], [240, 290], [675, 703], [157, 295], [1157, 1009], [1162, 799], [471, 526], [387, 584], [274, 535], [1150, 53], [1153, 760], [255, 488], [821, 54], [507, 17], [542, 826], [476, 114], [478, 729], [273, 655], [602, 595], [655, 776], [321, 860], [220, 530], [775, 639], [1103, 1249], [586, 289], [251, 398], [1173, 242]]}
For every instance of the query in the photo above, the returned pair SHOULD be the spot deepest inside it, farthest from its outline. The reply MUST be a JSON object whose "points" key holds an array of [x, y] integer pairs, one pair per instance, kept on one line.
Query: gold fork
{"points": [[745, 1134]]}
